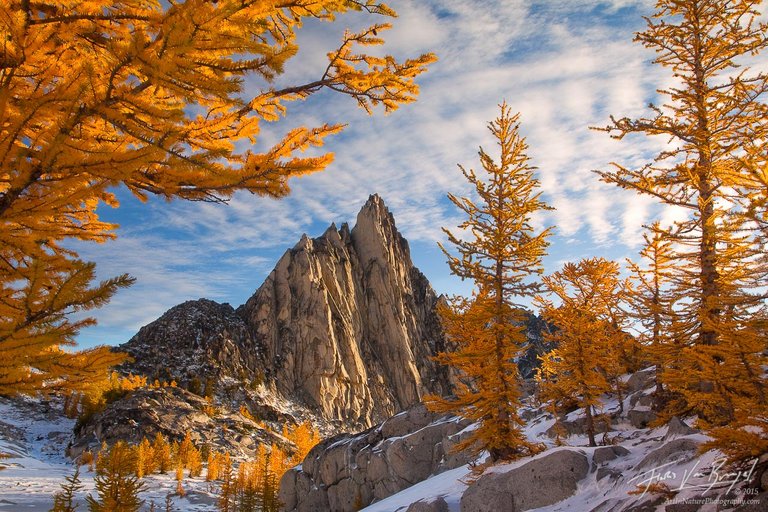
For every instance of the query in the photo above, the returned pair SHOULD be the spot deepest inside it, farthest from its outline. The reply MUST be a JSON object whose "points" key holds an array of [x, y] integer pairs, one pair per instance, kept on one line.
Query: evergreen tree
{"points": [[213, 467], [250, 478], [226, 500], [585, 363], [146, 463], [652, 300], [150, 96], [502, 256], [184, 449], [64, 500], [304, 437], [270, 465], [162, 452], [713, 117], [179, 478], [194, 462], [117, 486], [270, 487]]}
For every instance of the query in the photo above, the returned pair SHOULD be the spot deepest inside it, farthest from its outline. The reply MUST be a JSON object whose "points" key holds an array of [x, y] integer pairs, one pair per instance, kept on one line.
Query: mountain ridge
{"points": [[345, 326]]}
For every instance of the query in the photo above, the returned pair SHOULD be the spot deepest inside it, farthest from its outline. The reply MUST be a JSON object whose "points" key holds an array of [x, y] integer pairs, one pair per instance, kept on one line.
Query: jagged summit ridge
{"points": [[344, 325], [348, 322]]}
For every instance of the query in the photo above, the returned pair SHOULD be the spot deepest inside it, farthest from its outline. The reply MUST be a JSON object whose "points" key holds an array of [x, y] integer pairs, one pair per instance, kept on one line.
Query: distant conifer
{"points": [[117, 486], [179, 478], [162, 452], [194, 462], [304, 437], [213, 467], [226, 500], [585, 363], [64, 500]]}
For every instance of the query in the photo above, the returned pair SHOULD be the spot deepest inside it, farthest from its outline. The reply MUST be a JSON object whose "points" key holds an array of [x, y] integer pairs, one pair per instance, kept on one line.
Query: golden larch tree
{"points": [[713, 115], [162, 453], [304, 437], [146, 459], [502, 256], [116, 485], [227, 491], [212, 466], [150, 96], [588, 335], [652, 300], [180, 479]]}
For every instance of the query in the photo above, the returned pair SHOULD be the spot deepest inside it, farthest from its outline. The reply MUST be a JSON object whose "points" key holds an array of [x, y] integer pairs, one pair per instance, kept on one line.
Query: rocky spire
{"points": [[348, 323]]}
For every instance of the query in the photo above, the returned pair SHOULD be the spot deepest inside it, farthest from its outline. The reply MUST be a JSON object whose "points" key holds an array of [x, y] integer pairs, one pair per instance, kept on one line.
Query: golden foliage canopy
{"points": [[586, 362], [502, 255], [652, 300], [715, 117], [151, 96]]}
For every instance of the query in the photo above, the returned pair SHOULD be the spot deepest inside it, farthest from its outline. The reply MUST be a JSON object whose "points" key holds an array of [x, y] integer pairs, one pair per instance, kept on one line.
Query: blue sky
{"points": [[565, 65]]}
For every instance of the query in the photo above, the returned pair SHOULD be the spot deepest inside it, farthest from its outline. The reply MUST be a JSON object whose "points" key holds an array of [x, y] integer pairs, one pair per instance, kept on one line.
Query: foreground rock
{"points": [[538, 483], [348, 472], [677, 450], [438, 505]]}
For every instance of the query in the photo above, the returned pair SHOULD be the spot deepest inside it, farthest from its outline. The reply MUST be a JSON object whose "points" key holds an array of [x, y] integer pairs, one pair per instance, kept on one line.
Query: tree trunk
{"points": [[590, 426]]}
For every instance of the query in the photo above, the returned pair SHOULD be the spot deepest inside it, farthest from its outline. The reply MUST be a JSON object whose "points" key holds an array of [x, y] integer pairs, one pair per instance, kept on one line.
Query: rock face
{"points": [[344, 328], [538, 483], [529, 362], [348, 323], [173, 412], [199, 339], [347, 472]]}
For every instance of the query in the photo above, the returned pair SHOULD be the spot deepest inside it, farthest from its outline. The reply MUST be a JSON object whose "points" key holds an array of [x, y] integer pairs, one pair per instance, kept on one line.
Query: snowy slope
{"points": [[35, 435], [692, 478]]}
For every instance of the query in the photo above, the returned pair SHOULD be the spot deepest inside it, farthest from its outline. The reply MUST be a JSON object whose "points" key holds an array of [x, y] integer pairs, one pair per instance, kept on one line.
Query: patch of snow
{"points": [[449, 485], [36, 437]]}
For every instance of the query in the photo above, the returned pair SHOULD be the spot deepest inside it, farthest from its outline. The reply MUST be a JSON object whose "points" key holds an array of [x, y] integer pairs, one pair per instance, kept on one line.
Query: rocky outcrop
{"points": [[677, 427], [536, 346], [438, 505], [347, 472], [348, 323], [683, 449], [343, 328], [173, 412], [541, 482], [199, 340], [604, 454]]}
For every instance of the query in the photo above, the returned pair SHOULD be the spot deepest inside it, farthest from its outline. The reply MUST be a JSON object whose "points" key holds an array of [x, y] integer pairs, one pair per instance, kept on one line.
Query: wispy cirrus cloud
{"points": [[566, 65]]}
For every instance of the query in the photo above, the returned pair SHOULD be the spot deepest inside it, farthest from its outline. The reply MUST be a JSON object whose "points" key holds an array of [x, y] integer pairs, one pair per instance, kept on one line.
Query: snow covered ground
{"points": [[692, 478], [35, 439], [692, 475]]}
